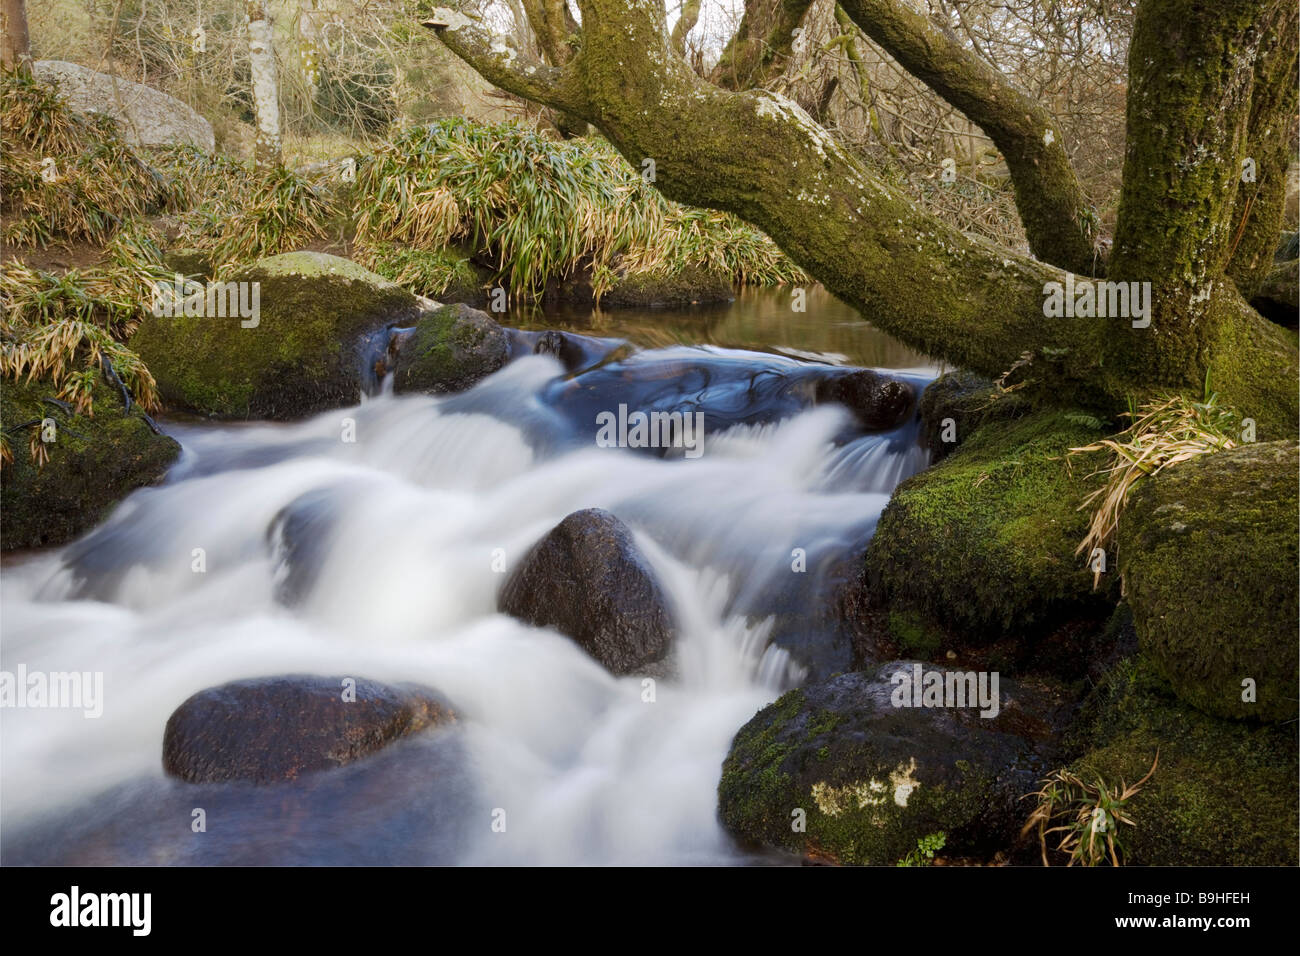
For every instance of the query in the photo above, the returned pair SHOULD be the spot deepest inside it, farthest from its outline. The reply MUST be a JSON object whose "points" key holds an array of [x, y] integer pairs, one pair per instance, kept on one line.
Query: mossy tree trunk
{"points": [[761, 44], [760, 156]]}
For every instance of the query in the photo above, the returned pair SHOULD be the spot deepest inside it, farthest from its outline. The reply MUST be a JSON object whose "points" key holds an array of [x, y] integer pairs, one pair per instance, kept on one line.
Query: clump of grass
{"points": [[544, 209], [71, 327], [429, 272], [238, 213], [66, 175], [1086, 815], [1164, 433]]}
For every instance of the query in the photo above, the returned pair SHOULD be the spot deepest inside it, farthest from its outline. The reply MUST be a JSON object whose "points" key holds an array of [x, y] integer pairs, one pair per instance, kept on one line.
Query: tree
{"points": [[15, 49], [266, 86], [1207, 91]]}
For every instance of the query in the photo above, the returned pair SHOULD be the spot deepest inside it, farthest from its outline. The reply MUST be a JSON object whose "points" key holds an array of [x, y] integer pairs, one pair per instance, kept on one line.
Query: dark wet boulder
{"points": [[92, 462], [879, 402], [1208, 555], [836, 771], [587, 579], [270, 729], [448, 350], [689, 285], [957, 403], [299, 355], [576, 353]]}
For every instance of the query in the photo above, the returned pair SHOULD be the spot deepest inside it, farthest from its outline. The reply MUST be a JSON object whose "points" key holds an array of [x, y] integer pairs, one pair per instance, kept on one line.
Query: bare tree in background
{"points": [[15, 50], [266, 89]]}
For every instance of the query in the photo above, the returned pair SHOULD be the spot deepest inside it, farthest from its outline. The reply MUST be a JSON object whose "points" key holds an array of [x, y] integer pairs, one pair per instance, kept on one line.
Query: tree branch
{"points": [[498, 62], [1060, 225]]}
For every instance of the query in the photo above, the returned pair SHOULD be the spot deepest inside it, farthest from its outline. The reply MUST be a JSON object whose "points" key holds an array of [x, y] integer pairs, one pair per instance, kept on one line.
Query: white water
{"points": [[586, 770]]}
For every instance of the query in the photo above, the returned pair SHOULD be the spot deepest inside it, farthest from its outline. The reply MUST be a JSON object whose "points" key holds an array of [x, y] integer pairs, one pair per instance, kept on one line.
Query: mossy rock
{"points": [[302, 355], [448, 350], [692, 285], [1223, 793], [956, 404], [1209, 560], [689, 286], [93, 463], [981, 546], [871, 778], [1278, 298]]}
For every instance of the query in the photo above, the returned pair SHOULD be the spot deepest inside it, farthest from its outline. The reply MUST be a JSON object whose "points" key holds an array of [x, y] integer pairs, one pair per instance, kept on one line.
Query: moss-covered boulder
{"points": [[837, 771], [1208, 555], [981, 546], [93, 463], [299, 355], [1223, 793], [448, 350], [692, 285]]}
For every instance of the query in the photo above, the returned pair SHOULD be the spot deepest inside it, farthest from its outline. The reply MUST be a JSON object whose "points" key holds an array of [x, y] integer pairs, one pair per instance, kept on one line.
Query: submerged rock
{"points": [[448, 350], [588, 579], [298, 356], [1208, 553], [837, 771], [93, 463], [270, 729]]}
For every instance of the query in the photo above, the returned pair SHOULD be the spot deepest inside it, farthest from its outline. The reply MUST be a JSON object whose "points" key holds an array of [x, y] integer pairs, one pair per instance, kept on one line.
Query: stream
{"points": [[185, 587]]}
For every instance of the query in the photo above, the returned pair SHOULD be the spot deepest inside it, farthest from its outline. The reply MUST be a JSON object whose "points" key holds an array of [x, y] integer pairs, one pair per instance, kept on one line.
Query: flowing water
{"points": [[191, 583]]}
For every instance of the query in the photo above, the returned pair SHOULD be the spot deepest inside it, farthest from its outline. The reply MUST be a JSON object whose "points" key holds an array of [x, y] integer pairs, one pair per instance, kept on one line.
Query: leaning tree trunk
{"points": [[760, 156], [266, 87], [15, 48]]}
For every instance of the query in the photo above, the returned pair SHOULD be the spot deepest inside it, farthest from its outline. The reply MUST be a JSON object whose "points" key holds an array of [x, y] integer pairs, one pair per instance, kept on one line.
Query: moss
{"points": [[684, 287], [449, 350], [982, 545], [1223, 794], [1208, 555], [447, 274], [189, 262], [93, 463], [300, 358], [914, 633]]}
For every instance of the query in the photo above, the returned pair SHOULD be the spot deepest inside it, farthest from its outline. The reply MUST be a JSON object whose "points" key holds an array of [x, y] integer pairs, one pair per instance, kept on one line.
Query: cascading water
{"points": [[392, 574]]}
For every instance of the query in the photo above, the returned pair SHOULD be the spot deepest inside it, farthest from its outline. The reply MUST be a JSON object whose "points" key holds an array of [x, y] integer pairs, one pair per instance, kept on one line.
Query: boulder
{"points": [[981, 546], [588, 579], [879, 402], [93, 463], [448, 350], [1208, 556], [147, 117], [300, 355], [1223, 792], [271, 729], [837, 771]]}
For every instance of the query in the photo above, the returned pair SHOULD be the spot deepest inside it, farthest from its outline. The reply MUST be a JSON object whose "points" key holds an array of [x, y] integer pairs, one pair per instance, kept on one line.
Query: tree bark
{"points": [[686, 20], [15, 51], [1261, 197], [266, 87], [761, 45], [760, 156]]}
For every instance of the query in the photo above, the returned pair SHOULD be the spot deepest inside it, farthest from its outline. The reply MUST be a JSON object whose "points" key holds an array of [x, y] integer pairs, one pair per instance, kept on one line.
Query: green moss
{"points": [[1223, 794], [449, 349], [982, 545], [1209, 555], [300, 358], [447, 275], [683, 287], [914, 633], [93, 463]]}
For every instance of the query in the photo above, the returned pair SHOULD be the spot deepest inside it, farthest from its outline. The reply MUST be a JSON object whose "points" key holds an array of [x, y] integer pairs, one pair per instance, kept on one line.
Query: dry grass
{"points": [[1086, 815], [1164, 433]]}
